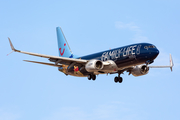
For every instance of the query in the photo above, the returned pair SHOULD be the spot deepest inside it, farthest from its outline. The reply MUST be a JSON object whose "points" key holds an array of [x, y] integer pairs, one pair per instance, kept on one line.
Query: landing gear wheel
{"points": [[89, 77], [93, 77], [116, 79], [120, 79]]}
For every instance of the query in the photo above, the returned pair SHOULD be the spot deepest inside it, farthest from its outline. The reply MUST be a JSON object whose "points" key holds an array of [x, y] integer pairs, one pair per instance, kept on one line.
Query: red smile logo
{"points": [[62, 53], [76, 68]]}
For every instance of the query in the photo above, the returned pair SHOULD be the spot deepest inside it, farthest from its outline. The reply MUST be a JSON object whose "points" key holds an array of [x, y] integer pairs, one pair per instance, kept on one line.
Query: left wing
{"points": [[146, 69], [170, 66], [56, 59]]}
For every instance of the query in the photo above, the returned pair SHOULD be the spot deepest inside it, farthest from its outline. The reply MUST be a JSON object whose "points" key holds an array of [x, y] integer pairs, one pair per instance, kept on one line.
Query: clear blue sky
{"points": [[37, 92]]}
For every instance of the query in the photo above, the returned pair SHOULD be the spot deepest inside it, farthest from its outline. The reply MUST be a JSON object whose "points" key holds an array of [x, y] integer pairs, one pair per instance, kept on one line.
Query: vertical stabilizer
{"points": [[63, 47]]}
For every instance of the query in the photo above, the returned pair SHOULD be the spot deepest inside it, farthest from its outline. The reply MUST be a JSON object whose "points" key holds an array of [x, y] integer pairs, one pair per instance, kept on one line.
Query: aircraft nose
{"points": [[156, 53]]}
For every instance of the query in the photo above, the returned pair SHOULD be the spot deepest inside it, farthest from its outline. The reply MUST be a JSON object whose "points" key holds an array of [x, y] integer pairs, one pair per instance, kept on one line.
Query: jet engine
{"points": [[140, 70], [94, 65]]}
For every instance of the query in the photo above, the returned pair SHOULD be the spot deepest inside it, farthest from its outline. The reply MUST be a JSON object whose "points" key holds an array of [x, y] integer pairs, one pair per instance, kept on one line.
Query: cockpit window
{"points": [[150, 46]]}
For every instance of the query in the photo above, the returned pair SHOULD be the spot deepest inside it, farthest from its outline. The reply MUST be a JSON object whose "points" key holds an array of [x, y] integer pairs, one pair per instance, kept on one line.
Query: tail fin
{"points": [[63, 47]]}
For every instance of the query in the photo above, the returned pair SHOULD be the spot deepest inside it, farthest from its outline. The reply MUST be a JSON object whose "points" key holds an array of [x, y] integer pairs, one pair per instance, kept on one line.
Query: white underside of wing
{"points": [[49, 56], [159, 66], [43, 63], [169, 66], [55, 57]]}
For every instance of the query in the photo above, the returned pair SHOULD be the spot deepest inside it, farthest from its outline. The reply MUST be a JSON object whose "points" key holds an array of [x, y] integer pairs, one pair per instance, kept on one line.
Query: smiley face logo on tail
{"points": [[62, 53]]}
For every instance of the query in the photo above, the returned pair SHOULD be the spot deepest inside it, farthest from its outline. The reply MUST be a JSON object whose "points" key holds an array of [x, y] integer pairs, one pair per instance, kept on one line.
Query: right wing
{"points": [[56, 59], [43, 63]]}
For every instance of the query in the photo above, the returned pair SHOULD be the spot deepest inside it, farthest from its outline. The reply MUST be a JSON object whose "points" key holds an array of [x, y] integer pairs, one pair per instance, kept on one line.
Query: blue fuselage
{"points": [[126, 56]]}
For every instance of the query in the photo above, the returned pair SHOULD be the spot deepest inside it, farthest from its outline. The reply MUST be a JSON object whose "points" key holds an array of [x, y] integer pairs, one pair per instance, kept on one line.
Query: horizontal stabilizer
{"points": [[50, 64]]}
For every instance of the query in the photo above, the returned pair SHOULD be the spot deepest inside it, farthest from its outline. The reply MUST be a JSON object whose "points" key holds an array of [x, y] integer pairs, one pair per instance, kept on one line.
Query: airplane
{"points": [[134, 59]]}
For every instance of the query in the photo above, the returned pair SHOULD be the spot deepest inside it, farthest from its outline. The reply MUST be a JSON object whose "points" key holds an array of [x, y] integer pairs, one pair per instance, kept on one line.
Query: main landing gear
{"points": [[118, 79], [91, 76]]}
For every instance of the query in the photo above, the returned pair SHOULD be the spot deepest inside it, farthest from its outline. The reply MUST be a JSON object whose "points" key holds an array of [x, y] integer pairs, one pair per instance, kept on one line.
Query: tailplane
{"points": [[63, 46]]}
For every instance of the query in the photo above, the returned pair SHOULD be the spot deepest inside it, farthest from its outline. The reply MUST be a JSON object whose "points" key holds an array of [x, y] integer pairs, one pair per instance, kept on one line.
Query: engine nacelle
{"points": [[94, 65], [140, 70]]}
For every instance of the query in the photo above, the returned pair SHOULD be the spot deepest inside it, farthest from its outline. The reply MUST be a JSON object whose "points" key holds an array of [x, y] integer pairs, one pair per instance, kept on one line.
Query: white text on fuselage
{"points": [[122, 52]]}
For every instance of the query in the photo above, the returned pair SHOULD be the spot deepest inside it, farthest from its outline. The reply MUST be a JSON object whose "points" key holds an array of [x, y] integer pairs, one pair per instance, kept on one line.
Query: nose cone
{"points": [[155, 53]]}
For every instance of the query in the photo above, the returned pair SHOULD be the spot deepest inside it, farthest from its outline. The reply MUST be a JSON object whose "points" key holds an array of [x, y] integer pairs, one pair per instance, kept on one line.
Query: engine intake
{"points": [[140, 70], [99, 65], [94, 65]]}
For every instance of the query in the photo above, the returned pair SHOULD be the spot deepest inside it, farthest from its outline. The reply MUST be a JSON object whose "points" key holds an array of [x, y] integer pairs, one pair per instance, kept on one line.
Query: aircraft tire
{"points": [[89, 77], [93, 77], [120, 79], [116, 79]]}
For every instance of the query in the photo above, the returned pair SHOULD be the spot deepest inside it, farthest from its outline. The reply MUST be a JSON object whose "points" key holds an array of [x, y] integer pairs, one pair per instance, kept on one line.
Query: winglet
{"points": [[171, 62], [12, 47]]}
